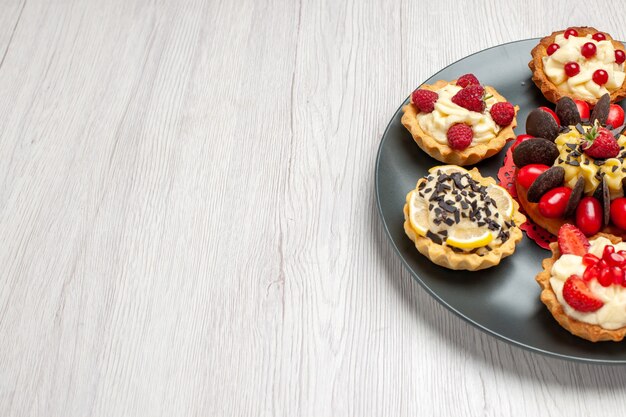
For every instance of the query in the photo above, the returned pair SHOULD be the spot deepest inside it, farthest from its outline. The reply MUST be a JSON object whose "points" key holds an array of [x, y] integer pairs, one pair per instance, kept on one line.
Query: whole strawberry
{"points": [[502, 113], [460, 136], [600, 143], [424, 100], [467, 79], [471, 98]]}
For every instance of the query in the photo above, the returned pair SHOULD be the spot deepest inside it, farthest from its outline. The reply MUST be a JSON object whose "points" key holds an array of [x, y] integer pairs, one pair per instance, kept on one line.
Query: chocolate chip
{"points": [[435, 238], [600, 111], [602, 195], [548, 180], [535, 151], [574, 198], [567, 112], [541, 124]]}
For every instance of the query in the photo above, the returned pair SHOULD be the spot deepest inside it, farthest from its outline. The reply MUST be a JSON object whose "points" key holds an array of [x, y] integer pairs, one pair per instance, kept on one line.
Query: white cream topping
{"points": [[612, 315], [446, 114], [582, 84]]}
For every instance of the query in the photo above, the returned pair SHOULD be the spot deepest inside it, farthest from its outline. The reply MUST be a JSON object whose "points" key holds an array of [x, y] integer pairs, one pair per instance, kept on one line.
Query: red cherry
{"points": [[618, 212], [590, 259], [552, 48], [600, 77], [620, 56], [605, 278], [570, 32], [583, 109], [591, 273], [520, 139], [529, 173], [588, 50], [571, 69], [553, 203], [552, 113], [616, 116], [599, 37], [589, 216]]}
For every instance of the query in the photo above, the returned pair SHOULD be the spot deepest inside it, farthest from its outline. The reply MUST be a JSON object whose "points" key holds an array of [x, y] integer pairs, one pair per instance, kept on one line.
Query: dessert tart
{"points": [[459, 122], [583, 284], [571, 169], [461, 220], [581, 63]]}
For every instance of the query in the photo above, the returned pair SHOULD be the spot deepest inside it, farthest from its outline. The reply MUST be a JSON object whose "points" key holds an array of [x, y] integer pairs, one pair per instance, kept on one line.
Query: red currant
{"points": [[552, 48], [588, 50], [600, 77], [605, 278], [570, 32], [620, 56], [599, 37], [590, 259], [572, 68]]}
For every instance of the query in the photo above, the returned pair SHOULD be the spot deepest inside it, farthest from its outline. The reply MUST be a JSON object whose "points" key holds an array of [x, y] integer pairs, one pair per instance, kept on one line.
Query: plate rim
{"points": [[419, 280]]}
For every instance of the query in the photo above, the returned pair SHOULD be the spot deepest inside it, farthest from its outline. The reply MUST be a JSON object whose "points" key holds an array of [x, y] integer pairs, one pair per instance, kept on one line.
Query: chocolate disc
{"points": [[541, 124], [535, 151], [602, 195], [567, 112], [550, 179], [574, 198], [601, 110]]}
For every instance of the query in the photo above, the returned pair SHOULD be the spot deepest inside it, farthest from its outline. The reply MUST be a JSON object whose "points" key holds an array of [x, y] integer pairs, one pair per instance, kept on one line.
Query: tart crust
{"points": [[443, 152], [549, 90], [591, 332], [444, 256]]}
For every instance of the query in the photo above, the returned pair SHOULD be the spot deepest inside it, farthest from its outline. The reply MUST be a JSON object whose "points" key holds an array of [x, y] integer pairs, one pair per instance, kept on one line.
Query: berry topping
{"points": [[589, 215], [529, 173], [618, 212], [600, 143], [467, 79], [502, 113], [588, 50], [571, 68], [616, 116], [605, 278], [620, 56], [553, 203], [589, 259], [578, 295], [552, 49], [572, 240], [583, 108], [460, 136], [471, 98], [424, 100], [570, 32], [599, 37], [600, 77]]}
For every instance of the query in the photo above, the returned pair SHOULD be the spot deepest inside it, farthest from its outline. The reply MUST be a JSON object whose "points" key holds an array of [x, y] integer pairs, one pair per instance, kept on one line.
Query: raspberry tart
{"points": [[461, 220], [570, 169], [459, 122], [581, 63], [583, 284]]}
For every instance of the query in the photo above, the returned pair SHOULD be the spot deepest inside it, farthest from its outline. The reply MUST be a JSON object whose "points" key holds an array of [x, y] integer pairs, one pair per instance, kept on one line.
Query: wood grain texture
{"points": [[188, 222]]}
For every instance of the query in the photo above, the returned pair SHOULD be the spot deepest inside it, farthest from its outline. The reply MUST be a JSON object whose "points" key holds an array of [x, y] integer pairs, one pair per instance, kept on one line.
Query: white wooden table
{"points": [[187, 216]]}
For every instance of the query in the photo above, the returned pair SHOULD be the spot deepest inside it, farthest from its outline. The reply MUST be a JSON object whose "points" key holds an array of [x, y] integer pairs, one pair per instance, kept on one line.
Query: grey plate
{"points": [[503, 300]]}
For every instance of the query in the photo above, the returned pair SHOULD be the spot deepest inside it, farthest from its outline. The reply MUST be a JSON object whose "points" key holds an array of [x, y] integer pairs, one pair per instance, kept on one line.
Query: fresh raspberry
{"points": [[503, 113], [601, 143], [578, 295], [424, 100], [572, 240], [460, 136], [467, 79], [471, 98]]}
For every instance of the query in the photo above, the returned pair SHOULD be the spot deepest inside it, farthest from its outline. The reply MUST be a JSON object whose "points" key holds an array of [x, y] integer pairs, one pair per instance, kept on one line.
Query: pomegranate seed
{"points": [[553, 47], [605, 278], [591, 273], [608, 250], [590, 259], [615, 259], [588, 50], [620, 56], [600, 77], [599, 37], [617, 275], [622, 252], [572, 68], [570, 32], [602, 264]]}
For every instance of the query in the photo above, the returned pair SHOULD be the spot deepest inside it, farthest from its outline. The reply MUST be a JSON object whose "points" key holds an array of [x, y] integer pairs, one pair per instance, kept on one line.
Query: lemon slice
{"points": [[418, 214], [470, 237], [448, 169], [503, 200]]}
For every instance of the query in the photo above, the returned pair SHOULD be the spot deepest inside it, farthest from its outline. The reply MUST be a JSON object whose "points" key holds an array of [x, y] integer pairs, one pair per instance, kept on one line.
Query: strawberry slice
{"points": [[572, 240], [579, 296]]}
